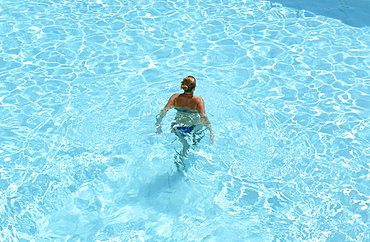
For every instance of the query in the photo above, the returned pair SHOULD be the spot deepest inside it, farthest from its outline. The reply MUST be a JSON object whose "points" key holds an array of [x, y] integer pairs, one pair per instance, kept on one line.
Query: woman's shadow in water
{"points": [[163, 192]]}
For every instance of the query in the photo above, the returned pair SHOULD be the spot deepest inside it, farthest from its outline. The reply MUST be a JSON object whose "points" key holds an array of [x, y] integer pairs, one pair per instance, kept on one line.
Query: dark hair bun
{"points": [[185, 87]]}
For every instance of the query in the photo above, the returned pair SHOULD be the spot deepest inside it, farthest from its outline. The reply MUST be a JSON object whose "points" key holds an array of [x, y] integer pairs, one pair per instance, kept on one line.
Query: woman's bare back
{"points": [[190, 101]]}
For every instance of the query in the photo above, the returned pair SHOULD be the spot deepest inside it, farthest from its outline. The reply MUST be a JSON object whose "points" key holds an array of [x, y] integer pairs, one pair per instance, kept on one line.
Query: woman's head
{"points": [[188, 84]]}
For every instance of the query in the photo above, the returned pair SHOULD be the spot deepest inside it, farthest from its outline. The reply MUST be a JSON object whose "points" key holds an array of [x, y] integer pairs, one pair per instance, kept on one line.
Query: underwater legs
{"points": [[187, 139], [180, 155]]}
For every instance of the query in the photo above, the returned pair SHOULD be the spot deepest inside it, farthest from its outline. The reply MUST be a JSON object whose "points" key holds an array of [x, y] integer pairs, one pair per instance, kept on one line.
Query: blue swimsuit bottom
{"points": [[182, 130]]}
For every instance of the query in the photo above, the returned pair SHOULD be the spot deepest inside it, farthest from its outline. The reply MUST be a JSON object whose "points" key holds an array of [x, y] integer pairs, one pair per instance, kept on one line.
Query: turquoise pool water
{"points": [[287, 93], [351, 12]]}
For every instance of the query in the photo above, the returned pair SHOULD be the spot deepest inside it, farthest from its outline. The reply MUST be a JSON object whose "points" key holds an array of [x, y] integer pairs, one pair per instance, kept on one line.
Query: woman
{"points": [[190, 119]]}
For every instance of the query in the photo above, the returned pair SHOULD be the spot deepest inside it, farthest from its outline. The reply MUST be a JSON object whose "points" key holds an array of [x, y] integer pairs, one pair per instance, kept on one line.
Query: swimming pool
{"points": [[287, 94]]}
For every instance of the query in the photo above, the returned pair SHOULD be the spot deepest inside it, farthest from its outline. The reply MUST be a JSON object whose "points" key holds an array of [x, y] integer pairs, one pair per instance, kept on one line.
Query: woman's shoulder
{"points": [[197, 98], [175, 95]]}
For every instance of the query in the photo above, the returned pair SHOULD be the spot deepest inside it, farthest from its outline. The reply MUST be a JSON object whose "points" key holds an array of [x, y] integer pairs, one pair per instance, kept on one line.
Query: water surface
{"points": [[287, 93]]}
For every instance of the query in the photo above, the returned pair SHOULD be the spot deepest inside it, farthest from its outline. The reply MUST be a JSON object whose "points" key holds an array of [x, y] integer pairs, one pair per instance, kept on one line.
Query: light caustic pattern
{"points": [[287, 93]]}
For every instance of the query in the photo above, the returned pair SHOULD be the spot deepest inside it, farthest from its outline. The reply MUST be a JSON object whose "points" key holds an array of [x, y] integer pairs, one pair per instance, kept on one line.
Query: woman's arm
{"points": [[163, 112], [209, 126], [202, 111]]}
